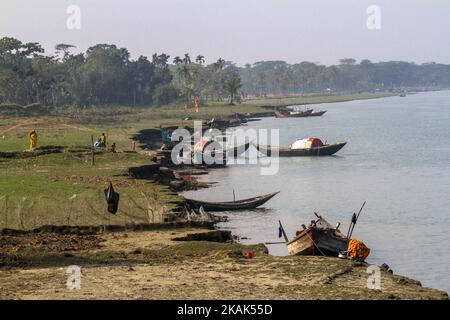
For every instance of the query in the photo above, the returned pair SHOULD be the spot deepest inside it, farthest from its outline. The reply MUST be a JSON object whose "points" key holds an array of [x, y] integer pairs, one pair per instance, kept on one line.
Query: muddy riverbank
{"points": [[157, 265]]}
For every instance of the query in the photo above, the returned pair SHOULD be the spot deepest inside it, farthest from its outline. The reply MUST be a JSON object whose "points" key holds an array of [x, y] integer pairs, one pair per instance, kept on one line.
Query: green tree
{"points": [[232, 86]]}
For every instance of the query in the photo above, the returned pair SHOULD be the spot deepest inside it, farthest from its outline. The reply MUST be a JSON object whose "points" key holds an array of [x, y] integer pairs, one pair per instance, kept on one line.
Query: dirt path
{"points": [[150, 265]]}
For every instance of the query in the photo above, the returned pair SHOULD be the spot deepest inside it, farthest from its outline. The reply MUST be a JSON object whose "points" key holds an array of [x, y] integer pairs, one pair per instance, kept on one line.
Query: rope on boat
{"points": [[315, 244]]}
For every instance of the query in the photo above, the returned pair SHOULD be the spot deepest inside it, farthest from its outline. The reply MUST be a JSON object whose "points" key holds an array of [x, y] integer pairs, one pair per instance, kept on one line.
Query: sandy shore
{"points": [[151, 265]]}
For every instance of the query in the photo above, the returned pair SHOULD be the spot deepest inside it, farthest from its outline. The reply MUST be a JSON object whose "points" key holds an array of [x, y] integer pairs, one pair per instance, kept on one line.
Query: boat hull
{"points": [[326, 150], [245, 204], [314, 241], [317, 114], [293, 114]]}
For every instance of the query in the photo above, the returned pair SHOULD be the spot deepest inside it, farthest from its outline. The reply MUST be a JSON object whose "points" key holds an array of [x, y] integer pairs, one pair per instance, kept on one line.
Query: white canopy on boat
{"points": [[299, 144]]}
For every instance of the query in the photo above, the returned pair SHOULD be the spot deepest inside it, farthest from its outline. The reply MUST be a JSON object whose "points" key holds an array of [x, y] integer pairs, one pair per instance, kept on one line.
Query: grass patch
{"points": [[22, 185]]}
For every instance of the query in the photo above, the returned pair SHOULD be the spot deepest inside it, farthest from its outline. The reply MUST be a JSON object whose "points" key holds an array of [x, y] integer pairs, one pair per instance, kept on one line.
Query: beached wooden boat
{"points": [[320, 238], [325, 150], [293, 114], [244, 204]]}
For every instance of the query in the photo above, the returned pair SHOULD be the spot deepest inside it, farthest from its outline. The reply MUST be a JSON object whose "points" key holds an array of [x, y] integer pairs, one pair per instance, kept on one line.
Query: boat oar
{"points": [[281, 232], [357, 217], [277, 242]]}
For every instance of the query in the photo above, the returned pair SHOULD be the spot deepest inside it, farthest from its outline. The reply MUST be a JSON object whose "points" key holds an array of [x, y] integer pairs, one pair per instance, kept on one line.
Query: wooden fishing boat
{"points": [[320, 238], [244, 204], [293, 114], [325, 150], [244, 117]]}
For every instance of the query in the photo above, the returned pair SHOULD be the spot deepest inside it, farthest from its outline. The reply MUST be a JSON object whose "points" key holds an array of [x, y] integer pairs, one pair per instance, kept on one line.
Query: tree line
{"points": [[269, 77], [106, 75]]}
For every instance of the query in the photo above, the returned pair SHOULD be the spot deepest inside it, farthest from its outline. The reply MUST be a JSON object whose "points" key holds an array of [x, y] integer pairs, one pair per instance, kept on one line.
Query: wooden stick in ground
{"points": [[92, 151], [357, 217], [351, 223]]}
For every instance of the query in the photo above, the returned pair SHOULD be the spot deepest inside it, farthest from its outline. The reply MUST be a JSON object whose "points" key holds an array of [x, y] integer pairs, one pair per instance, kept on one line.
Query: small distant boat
{"points": [[293, 114], [244, 204], [317, 113], [320, 238], [403, 95], [322, 150]]}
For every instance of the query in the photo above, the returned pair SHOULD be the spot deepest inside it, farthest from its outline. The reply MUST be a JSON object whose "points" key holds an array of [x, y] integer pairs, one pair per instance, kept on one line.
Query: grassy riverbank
{"points": [[64, 188]]}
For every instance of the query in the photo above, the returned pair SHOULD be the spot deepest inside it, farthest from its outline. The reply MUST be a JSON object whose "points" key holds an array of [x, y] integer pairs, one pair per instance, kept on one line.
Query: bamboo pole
{"points": [[92, 151]]}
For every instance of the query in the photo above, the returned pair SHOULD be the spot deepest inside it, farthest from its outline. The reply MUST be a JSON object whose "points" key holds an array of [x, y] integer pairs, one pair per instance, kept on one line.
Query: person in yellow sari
{"points": [[102, 140], [33, 139]]}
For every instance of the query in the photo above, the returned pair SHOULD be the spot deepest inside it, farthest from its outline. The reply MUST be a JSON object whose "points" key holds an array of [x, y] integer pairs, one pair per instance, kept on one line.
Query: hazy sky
{"points": [[241, 30]]}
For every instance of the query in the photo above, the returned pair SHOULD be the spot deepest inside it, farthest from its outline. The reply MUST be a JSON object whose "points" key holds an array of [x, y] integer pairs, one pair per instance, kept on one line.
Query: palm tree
{"points": [[232, 86], [187, 59], [219, 64], [200, 59], [177, 60]]}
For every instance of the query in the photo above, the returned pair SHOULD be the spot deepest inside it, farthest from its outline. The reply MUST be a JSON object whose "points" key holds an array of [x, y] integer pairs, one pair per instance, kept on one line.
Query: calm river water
{"points": [[397, 159]]}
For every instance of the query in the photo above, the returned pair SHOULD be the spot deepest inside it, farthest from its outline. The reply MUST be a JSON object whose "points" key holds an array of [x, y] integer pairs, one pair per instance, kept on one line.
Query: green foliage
{"points": [[104, 75], [165, 94], [208, 82], [232, 86]]}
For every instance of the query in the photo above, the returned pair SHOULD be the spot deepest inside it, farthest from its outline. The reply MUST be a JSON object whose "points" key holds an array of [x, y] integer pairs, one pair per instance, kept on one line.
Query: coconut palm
{"points": [[187, 59], [219, 64], [177, 60], [200, 59]]}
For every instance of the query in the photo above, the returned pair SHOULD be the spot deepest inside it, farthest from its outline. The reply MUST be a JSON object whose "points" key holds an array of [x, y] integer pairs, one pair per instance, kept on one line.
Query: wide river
{"points": [[397, 159]]}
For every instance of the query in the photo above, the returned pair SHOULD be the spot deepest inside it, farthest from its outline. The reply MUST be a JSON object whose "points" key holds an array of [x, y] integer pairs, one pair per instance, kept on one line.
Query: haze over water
{"points": [[397, 159]]}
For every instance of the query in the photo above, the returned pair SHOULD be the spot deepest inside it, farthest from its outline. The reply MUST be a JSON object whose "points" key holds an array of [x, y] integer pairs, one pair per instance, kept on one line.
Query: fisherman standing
{"points": [[33, 139]]}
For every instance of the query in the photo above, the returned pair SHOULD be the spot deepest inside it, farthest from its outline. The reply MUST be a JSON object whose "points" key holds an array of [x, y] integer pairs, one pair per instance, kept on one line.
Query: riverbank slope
{"points": [[152, 265]]}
